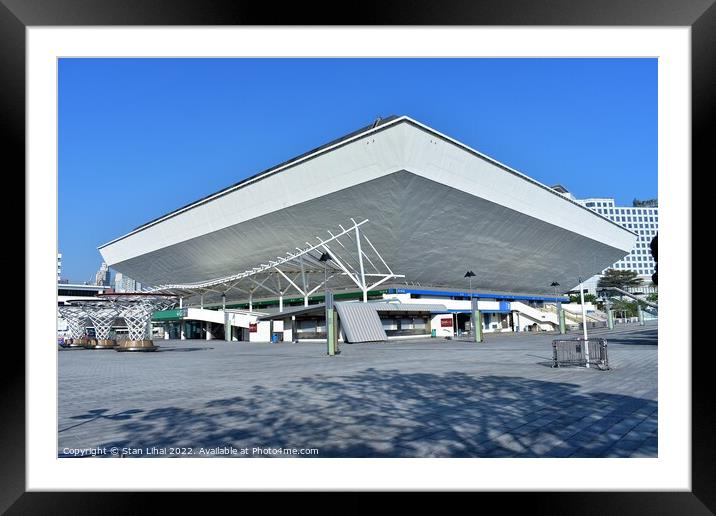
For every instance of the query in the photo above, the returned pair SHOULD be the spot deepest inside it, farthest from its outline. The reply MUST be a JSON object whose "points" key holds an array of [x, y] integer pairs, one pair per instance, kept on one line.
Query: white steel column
{"points": [[360, 261], [280, 303], [584, 321], [251, 300], [209, 335]]}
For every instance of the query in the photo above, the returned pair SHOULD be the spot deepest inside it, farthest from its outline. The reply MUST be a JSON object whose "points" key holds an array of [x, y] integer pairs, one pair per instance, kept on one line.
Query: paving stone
{"points": [[413, 398]]}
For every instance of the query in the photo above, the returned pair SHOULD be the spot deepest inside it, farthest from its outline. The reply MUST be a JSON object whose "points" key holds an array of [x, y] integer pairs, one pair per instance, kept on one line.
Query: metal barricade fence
{"points": [[573, 352]]}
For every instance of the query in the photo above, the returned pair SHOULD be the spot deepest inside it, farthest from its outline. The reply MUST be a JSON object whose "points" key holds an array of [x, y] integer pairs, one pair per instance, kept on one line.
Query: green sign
{"points": [[169, 315]]}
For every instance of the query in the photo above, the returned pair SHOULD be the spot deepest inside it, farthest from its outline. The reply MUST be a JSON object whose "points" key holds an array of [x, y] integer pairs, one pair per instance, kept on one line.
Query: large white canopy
{"points": [[436, 208]]}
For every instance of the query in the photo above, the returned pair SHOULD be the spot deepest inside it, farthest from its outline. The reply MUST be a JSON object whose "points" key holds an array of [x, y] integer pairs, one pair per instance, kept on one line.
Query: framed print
{"points": [[226, 337]]}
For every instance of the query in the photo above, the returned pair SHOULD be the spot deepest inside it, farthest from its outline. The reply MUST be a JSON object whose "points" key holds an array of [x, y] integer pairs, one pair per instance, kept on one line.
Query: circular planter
{"points": [[136, 345]]}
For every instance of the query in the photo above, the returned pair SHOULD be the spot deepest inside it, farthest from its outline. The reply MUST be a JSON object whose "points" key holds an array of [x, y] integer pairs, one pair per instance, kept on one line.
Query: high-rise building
{"points": [[124, 283], [102, 276], [642, 218]]}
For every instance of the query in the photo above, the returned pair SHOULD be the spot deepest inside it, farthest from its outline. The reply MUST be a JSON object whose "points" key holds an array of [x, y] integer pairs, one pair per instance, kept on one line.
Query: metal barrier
{"points": [[573, 352]]}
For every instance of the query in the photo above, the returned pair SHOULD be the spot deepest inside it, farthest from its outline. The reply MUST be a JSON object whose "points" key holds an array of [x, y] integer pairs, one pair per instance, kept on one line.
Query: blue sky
{"points": [[141, 137]]}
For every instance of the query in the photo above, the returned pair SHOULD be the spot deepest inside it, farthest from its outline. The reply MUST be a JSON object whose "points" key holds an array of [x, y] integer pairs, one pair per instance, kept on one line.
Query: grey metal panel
{"points": [[511, 251], [360, 322], [410, 307], [291, 311]]}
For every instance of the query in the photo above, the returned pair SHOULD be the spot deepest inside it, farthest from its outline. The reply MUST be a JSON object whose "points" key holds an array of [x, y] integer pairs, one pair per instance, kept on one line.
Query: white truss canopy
{"points": [[346, 258], [137, 309], [102, 314], [76, 319]]}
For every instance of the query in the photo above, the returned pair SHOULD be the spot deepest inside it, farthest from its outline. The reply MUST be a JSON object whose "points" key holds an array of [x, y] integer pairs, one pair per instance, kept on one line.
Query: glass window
{"points": [[389, 324], [406, 324]]}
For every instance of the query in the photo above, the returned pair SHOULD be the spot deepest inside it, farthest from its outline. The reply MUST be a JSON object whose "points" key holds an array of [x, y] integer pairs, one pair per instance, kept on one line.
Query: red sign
{"points": [[252, 327], [446, 323]]}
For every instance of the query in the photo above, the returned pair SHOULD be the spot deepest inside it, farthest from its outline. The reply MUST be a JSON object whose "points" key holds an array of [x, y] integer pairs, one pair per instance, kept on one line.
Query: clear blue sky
{"points": [[141, 137]]}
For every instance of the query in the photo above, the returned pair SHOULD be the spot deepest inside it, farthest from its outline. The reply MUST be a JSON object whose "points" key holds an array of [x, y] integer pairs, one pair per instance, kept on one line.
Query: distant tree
{"points": [[625, 308], [654, 298], [619, 279], [588, 298]]}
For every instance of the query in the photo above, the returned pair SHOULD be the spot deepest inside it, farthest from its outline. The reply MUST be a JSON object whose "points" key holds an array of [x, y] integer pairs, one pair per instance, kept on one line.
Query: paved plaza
{"points": [[410, 398]]}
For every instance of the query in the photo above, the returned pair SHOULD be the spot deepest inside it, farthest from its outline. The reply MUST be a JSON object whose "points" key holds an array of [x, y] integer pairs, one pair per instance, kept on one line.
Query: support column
{"points": [[209, 335], [166, 331], [331, 331], [584, 322], [610, 318], [201, 302], [227, 327], [562, 321], [640, 313], [331, 320], [477, 315], [476, 320], [251, 301], [280, 303], [182, 329], [305, 300]]}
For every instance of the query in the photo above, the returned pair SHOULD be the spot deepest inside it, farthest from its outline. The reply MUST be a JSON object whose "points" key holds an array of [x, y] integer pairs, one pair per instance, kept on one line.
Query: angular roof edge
{"points": [[378, 125]]}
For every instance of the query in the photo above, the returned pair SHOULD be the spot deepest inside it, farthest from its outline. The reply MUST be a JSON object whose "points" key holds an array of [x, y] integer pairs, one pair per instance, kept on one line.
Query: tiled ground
{"points": [[418, 398]]}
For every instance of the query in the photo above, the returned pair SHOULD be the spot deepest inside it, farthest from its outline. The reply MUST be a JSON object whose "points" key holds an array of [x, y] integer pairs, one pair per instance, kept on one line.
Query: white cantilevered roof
{"points": [[437, 208]]}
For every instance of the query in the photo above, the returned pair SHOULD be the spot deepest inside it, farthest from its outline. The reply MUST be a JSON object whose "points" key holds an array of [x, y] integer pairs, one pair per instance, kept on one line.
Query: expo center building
{"points": [[435, 209]]}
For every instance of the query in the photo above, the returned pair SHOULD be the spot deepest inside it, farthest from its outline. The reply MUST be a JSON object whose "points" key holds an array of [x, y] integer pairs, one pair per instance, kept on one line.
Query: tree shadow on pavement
{"points": [[386, 413]]}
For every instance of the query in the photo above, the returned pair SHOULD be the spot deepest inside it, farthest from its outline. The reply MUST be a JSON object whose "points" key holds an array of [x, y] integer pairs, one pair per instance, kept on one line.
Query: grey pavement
{"points": [[411, 398]]}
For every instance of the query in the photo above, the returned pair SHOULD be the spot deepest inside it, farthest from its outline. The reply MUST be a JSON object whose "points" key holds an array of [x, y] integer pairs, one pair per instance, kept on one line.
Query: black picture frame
{"points": [[700, 15]]}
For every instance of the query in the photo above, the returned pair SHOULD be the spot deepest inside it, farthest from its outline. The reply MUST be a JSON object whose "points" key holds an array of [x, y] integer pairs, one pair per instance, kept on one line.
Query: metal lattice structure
{"points": [[102, 314], [136, 309], [76, 319], [351, 260]]}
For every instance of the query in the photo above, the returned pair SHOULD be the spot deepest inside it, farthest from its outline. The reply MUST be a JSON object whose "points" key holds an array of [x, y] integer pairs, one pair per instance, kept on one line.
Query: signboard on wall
{"points": [[252, 327], [444, 323]]}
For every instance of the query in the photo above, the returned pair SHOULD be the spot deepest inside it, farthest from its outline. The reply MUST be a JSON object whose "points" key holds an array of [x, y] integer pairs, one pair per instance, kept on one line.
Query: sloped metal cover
{"points": [[410, 307], [360, 322]]}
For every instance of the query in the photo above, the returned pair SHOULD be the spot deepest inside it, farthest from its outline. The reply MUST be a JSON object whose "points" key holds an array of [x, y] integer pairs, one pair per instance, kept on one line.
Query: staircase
{"points": [[535, 314]]}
